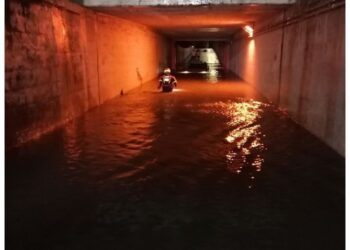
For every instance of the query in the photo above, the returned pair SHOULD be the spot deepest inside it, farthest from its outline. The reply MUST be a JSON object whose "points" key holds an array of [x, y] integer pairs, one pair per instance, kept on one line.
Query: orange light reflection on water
{"points": [[242, 117], [245, 144], [245, 136]]}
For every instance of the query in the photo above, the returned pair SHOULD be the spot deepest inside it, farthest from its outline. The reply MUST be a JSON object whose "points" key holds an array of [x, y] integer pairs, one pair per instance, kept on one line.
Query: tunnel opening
{"points": [[198, 57]]}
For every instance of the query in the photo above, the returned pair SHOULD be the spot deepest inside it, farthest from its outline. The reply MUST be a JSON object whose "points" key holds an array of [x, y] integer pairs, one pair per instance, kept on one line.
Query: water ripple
{"points": [[246, 147]]}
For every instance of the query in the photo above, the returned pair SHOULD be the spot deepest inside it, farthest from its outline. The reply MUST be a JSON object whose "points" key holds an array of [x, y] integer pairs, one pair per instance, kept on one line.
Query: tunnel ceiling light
{"points": [[249, 30]]}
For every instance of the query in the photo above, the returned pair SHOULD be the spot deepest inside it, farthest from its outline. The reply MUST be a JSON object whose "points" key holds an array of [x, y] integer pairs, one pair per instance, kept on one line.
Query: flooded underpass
{"points": [[212, 165]]}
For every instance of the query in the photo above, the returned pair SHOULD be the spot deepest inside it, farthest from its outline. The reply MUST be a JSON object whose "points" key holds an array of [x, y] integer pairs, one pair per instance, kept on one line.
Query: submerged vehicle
{"points": [[167, 81]]}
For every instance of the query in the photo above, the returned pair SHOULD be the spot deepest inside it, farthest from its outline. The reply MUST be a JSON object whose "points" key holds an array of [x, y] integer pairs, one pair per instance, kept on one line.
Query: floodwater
{"points": [[209, 166]]}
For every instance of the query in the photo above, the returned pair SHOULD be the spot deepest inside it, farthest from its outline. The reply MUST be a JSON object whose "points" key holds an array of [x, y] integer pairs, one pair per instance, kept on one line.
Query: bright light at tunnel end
{"points": [[249, 29]]}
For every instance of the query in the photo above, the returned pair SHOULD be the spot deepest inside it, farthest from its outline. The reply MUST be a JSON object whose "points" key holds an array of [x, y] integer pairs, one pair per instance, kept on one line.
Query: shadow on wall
{"points": [[139, 76]]}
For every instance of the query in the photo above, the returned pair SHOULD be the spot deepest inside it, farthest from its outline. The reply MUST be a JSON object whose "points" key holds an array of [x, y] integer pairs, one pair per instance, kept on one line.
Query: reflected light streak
{"points": [[251, 51], [178, 90], [245, 144], [60, 32], [245, 136], [73, 148], [249, 68]]}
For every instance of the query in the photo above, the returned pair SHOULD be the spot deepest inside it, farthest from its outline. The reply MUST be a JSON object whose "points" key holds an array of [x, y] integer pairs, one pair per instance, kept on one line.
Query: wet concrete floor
{"points": [[209, 166]]}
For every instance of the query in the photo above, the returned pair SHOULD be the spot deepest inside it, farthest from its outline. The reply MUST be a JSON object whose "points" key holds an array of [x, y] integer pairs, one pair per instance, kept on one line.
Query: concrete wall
{"points": [[306, 76], [62, 60], [257, 61], [222, 49], [131, 52]]}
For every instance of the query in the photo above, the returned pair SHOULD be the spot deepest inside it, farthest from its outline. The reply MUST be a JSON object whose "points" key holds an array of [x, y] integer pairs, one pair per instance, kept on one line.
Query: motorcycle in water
{"points": [[167, 83]]}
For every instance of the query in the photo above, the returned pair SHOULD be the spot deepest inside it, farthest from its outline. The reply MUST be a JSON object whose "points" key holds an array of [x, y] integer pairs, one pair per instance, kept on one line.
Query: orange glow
{"points": [[251, 49], [178, 90], [249, 30], [60, 32], [249, 62], [251, 57]]}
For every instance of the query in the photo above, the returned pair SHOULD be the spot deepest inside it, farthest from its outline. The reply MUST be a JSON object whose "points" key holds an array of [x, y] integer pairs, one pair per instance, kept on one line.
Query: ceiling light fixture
{"points": [[249, 30]]}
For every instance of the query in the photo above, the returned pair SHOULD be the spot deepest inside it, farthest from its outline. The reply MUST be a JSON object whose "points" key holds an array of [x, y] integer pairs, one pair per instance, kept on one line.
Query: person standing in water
{"points": [[167, 81]]}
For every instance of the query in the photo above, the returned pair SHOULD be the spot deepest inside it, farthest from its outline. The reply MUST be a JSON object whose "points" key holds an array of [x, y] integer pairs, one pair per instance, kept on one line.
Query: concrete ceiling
{"points": [[195, 21]]}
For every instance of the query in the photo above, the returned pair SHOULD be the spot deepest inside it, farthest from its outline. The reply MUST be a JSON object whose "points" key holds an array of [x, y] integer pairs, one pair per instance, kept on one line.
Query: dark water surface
{"points": [[210, 166]]}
